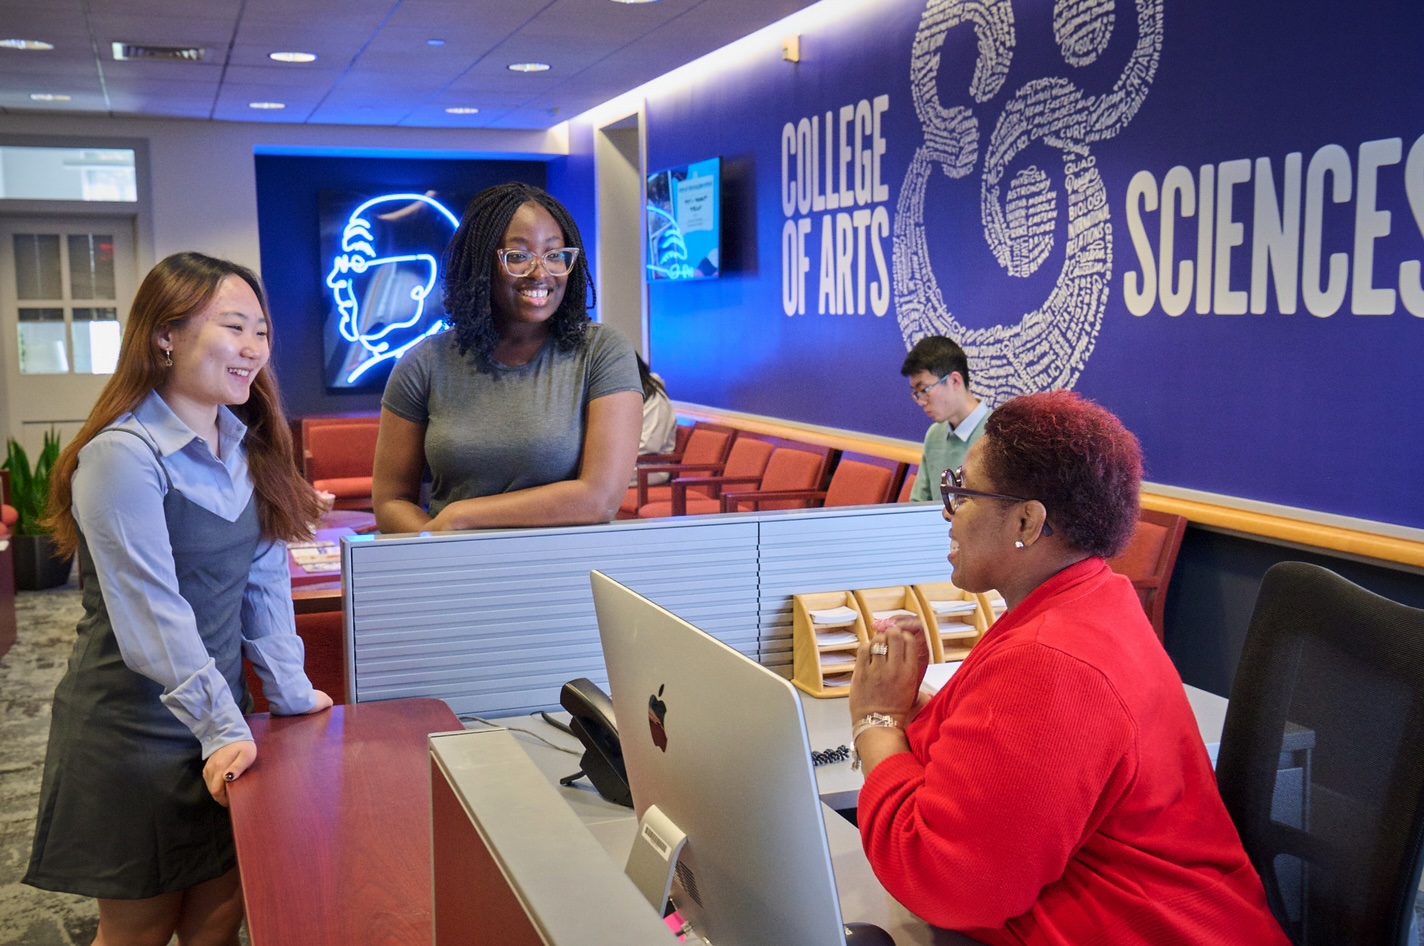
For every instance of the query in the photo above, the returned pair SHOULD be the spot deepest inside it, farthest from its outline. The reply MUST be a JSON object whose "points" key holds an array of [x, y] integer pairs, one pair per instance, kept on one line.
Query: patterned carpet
{"points": [[28, 674]]}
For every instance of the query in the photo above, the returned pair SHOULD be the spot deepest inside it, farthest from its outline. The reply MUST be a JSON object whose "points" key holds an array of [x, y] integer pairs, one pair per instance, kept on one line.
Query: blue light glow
{"points": [[380, 287]]}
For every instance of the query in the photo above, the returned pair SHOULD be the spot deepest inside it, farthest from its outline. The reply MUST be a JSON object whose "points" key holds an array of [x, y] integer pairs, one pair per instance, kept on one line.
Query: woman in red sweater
{"points": [[1056, 790]]}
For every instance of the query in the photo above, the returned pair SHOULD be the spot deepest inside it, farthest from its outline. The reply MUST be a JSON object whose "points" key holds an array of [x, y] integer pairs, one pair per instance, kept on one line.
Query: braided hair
{"points": [[470, 262]]}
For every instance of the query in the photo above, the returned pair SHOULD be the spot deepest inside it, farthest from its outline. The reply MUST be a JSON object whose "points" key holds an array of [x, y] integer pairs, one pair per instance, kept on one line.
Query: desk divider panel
{"points": [[495, 622]]}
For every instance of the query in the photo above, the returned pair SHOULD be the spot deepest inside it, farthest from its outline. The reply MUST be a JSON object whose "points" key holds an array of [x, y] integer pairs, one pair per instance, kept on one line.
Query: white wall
{"points": [[202, 190]]}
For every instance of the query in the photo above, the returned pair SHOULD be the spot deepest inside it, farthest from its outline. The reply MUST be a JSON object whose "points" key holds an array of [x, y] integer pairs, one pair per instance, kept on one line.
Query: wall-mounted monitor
{"points": [[381, 267], [684, 220]]}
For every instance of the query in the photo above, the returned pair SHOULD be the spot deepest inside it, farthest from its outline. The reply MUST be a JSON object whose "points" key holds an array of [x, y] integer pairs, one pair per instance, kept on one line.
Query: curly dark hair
{"points": [[470, 262], [1073, 456]]}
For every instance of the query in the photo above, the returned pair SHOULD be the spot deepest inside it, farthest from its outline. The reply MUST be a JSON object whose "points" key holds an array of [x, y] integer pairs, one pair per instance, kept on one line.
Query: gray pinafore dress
{"points": [[124, 812]]}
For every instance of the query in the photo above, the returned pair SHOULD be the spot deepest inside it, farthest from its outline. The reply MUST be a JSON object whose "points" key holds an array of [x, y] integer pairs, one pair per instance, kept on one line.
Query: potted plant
{"points": [[36, 566]]}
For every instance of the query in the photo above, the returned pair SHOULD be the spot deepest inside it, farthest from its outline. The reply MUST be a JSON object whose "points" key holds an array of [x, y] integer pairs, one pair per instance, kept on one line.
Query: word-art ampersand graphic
{"points": [[1048, 347]]}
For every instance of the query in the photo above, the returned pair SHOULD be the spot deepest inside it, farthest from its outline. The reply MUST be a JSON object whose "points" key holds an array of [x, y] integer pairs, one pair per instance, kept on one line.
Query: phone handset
{"points": [[594, 725]]}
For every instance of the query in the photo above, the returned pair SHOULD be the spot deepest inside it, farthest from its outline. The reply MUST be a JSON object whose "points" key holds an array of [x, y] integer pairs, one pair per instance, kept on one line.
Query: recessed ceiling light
{"points": [[292, 57], [37, 44], [635, 1], [462, 110], [49, 97], [435, 42], [267, 105], [528, 67]]}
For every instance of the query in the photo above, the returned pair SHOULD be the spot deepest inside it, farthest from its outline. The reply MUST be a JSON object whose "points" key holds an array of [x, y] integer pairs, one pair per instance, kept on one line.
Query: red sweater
{"points": [[1057, 790]]}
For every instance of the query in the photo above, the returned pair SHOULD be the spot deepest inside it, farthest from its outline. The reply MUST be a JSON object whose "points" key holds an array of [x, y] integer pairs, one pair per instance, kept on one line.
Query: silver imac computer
{"points": [[717, 754]]}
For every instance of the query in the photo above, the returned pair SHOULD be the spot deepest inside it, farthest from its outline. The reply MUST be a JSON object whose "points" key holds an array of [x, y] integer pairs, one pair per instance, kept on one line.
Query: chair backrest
{"points": [[861, 480], [708, 443], [1148, 560], [1322, 756], [748, 457], [681, 432], [908, 484], [339, 451], [799, 467]]}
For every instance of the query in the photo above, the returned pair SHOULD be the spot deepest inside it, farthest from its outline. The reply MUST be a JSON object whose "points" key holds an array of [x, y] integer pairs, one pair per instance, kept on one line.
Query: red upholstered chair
{"points": [[1148, 560], [792, 469], [706, 451], [911, 472], [858, 480], [338, 458], [745, 464], [324, 638]]}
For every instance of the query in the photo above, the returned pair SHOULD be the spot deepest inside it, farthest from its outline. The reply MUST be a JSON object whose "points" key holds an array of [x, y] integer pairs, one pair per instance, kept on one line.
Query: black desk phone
{"points": [[593, 723]]}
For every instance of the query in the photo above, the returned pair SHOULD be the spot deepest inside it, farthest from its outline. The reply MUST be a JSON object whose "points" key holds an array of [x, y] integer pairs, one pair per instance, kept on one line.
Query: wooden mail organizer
{"points": [[829, 626], [494, 622]]}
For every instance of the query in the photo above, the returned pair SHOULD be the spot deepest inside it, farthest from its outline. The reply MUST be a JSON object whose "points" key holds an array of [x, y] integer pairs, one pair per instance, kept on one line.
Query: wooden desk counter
{"points": [[333, 825]]}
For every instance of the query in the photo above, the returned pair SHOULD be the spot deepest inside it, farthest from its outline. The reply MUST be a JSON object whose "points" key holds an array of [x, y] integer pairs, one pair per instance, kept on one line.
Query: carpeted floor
{"points": [[28, 674]]}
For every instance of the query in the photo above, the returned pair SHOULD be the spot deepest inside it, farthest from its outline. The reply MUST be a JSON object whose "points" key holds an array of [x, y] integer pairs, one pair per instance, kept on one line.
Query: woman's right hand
{"points": [[226, 764]]}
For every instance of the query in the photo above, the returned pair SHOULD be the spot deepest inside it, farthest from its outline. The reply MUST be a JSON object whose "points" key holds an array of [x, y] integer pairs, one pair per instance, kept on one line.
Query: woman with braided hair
{"points": [[526, 411]]}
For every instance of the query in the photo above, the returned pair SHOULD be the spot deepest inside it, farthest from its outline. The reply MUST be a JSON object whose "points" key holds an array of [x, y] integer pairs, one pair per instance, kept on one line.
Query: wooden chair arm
{"points": [[730, 501], [714, 484], [672, 469]]}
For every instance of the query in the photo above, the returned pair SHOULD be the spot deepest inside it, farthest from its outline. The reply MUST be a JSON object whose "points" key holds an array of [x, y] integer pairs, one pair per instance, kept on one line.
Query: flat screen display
{"points": [[684, 219], [381, 260]]}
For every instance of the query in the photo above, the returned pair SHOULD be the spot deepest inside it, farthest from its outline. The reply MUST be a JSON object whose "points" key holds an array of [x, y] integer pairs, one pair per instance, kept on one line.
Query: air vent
{"points": [[124, 51]]}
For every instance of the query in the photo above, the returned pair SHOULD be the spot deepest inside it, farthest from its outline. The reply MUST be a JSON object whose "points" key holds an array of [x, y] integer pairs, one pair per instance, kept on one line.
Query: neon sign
{"points": [[381, 277]]}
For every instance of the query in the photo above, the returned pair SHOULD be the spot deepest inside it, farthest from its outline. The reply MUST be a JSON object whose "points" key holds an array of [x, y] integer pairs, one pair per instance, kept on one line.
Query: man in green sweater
{"points": [[938, 372]]}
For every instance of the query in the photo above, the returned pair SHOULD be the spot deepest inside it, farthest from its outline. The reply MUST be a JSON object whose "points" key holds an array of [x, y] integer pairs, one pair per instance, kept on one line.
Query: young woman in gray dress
{"points": [[526, 412], [178, 508]]}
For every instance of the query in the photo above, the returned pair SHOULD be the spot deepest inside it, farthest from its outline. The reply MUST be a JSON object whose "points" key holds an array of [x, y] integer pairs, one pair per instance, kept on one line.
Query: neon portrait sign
{"points": [[385, 264]]}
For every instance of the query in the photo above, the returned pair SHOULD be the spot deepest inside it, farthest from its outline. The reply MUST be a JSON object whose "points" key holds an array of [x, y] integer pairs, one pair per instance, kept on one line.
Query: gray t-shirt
{"points": [[496, 429]]}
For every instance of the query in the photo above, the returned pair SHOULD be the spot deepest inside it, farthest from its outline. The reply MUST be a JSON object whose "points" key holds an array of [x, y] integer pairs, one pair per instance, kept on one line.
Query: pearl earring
{"points": [[1018, 545]]}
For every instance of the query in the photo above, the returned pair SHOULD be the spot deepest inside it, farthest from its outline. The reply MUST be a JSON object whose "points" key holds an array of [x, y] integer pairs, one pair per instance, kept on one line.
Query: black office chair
{"points": [[1322, 757]]}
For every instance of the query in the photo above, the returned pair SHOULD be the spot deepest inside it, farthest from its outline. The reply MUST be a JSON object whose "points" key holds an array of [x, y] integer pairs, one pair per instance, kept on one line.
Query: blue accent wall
{"points": [[1025, 169], [294, 270]]}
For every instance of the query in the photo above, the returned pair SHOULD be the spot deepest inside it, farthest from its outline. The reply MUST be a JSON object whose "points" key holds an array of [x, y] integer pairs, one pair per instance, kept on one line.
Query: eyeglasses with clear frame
{"points": [[953, 491], [520, 263], [921, 395]]}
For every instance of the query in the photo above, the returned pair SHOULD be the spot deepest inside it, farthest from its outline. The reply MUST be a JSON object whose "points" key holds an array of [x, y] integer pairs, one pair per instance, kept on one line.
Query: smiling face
{"points": [[530, 299], [216, 354], [982, 532]]}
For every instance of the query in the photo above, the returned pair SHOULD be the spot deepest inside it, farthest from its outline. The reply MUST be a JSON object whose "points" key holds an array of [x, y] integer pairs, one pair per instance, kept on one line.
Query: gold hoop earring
{"points": [[168, 358]]}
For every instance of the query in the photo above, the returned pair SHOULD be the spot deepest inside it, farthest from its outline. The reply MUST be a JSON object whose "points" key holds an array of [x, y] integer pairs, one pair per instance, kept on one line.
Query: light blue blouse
{"points": [[118, 505]]}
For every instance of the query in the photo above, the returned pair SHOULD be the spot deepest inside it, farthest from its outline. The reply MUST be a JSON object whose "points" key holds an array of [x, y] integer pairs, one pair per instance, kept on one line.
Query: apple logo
{"points": [[657, 713]]}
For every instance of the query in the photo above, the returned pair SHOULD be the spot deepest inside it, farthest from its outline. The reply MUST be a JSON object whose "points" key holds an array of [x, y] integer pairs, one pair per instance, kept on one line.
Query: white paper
{"points": [[828, 661], [833, 617], [937, 675], [957, 606], [835, 638], [894, 612]]}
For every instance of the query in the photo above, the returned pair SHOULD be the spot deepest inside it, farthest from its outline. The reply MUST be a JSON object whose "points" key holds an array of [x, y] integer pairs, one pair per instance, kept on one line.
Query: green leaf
{"points": [[29, 486]]}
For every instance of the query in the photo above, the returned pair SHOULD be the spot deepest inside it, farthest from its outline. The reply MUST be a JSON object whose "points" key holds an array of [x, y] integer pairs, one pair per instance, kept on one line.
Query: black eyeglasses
{"points": [[520, 263], [953, 491]]}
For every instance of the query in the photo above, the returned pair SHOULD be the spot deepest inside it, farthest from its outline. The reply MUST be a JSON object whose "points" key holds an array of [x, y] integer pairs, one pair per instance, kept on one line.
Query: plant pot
{"points": [[36, 568]]}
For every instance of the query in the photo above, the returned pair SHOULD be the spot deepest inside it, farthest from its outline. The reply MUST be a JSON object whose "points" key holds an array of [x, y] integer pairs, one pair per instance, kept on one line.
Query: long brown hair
{"points": [[174, 291]]}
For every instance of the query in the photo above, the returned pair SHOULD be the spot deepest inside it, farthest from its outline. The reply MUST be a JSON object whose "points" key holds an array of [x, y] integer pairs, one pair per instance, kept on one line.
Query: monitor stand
{"points": [[653, 860]]}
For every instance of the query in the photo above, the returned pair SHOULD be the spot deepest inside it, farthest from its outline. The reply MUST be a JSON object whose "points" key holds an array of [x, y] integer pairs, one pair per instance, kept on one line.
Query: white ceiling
{"points": [[375, 65]]}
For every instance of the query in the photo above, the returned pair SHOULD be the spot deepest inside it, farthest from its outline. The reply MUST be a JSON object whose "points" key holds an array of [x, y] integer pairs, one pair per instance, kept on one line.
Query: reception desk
{"points": [[333, 825]]}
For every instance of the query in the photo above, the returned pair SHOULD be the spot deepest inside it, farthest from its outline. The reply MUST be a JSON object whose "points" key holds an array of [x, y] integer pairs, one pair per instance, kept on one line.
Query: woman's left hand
{"points": [[323, 702], [889, 683], [226, 764]]}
